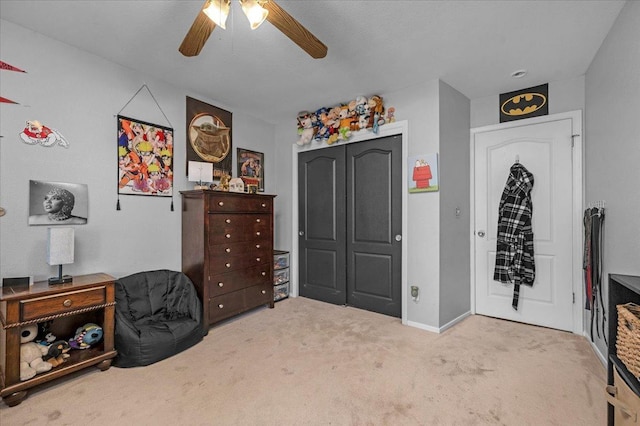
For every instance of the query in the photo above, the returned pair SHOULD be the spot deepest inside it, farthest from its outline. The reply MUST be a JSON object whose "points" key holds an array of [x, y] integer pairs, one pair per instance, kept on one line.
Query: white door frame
{"points": [[390, 129], [578, 193]]}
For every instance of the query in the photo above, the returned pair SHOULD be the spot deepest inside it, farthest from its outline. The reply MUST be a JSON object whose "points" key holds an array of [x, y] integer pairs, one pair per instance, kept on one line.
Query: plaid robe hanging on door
{"points": [[514, 251]]}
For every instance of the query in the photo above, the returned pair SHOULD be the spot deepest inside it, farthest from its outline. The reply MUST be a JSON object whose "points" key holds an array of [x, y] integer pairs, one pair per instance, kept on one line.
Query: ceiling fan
{"points": [[215, 12]]}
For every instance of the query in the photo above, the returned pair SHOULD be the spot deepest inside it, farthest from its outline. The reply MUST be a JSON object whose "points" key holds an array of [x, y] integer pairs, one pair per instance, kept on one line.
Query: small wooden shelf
{"points": [[89, 298]]}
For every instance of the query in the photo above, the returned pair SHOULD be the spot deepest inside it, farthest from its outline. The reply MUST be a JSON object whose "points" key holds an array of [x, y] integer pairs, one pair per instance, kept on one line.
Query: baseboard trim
{"points": [[596, 350], [438, 329], [455, 321]]}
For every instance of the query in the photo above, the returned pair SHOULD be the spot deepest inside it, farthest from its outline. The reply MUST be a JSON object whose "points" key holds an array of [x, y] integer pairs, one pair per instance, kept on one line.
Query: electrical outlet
{"points": [[414, 292]]}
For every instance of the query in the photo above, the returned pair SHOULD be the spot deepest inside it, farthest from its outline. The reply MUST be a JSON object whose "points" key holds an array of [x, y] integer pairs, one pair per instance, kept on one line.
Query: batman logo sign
{"points": [[523, 104]]}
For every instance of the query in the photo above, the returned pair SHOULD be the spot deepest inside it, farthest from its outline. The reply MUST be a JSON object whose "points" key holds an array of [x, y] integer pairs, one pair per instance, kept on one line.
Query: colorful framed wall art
{"points": [[145, 158], [251, 169]]}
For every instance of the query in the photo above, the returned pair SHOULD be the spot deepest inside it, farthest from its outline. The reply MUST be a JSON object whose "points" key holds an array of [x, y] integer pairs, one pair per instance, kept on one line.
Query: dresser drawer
{"points": [[226, 306], [240, 203], [231, 304], [230, 228], [248, 248], [52, 305], [225, 264], [259, 295], [239, 279]]}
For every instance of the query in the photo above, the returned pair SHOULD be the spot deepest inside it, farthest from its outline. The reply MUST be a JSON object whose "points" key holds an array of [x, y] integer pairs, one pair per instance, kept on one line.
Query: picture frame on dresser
{"points": [[251, 169]]}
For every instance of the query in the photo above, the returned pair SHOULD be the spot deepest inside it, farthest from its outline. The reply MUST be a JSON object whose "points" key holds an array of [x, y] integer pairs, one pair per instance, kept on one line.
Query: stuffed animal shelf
{"points": [[31, 353]]}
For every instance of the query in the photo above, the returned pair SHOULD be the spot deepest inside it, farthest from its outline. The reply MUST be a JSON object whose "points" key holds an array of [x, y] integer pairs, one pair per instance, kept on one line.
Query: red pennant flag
{"points": [[7, 67], [6, 101]]}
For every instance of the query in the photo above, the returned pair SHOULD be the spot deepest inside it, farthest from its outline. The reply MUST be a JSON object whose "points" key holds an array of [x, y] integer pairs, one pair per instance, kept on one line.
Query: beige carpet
{"points": [[311, 363]]}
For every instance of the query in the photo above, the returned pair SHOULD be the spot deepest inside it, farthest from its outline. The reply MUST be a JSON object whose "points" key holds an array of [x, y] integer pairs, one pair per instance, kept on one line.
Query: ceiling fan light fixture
{"points": [[218, 11], [255, 13]]}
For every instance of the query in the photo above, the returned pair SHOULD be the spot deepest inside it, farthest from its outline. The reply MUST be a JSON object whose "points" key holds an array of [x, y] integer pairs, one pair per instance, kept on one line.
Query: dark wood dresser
{"points": [[227, 250]]}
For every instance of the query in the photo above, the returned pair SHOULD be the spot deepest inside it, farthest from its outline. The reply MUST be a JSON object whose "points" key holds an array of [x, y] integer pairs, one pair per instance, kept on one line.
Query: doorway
{"points": [[550, 148], [350, 224]]}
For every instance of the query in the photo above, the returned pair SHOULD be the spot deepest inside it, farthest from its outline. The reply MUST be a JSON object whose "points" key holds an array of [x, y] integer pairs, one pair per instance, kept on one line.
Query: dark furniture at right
{"points": [[622, 289]]}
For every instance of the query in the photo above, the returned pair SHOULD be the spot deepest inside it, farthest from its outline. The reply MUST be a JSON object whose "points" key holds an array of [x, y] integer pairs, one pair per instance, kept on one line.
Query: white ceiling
{"points": [[374, 47]]}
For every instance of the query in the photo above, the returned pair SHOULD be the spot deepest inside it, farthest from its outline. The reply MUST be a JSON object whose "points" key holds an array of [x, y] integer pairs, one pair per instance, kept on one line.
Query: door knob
{"points": [[398, 237], [301, 233], [480, 234]]}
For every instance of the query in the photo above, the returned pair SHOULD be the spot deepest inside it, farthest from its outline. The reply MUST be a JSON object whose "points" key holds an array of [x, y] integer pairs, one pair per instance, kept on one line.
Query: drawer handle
{"points": [[264, 291], [220, 284], [264, 205], [258, 233], [257, 245], [67, 303], [228, 265], [264, 274], [221, 306], [221, 203], [227, 221], [258, 220], [228, 250], [228, 236], [257, 259]]}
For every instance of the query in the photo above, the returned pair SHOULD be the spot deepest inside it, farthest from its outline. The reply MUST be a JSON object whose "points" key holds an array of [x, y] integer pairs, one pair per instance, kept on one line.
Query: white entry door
{"points": [[545, 149]]}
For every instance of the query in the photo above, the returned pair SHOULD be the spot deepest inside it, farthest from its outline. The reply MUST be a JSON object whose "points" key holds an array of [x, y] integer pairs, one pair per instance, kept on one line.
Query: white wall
{"points": [[565, 95], [79, 94], [419, 106], [455, 209], [613, 143]]}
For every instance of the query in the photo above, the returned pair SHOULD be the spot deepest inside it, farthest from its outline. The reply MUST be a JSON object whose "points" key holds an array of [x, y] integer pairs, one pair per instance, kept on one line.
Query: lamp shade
{"points": [[218, 11], [255, 13], [60, 246]]}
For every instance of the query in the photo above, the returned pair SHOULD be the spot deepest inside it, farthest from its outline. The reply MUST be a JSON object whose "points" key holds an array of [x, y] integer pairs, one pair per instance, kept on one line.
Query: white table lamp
{"points": [[60, 250], [200, 171]]}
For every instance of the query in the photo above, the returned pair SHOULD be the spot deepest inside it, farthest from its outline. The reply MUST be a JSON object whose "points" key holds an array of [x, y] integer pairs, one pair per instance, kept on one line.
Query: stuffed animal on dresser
{"points": [[31, 353]]}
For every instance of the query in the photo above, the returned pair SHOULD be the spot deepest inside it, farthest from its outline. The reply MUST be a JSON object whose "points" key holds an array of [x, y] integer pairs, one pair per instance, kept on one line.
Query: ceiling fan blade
{"points": [[197, 35], [294, 30]]}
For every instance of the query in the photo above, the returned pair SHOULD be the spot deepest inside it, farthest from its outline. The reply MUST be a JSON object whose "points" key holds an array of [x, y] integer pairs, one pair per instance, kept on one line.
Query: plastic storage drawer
{"points": [[280, 259], [280, 291], [280, 276]]}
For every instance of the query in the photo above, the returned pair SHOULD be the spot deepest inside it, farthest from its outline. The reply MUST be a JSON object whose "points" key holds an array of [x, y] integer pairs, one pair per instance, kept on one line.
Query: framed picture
{"points": [[423, 173], [58, 203], [209, 136], [145, 158], [251, 169]]}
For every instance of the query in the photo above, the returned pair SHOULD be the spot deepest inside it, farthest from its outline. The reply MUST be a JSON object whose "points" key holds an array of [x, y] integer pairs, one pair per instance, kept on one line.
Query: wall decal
{"points": [[36, 133], [423, 173]]}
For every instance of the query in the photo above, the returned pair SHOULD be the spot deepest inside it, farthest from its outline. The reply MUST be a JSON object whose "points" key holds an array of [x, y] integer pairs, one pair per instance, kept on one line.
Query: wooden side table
{"points": [[88, 299]]}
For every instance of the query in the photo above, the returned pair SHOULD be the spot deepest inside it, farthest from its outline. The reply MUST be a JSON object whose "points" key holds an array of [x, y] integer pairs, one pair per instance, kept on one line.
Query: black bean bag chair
{"points": [[158, 314]]}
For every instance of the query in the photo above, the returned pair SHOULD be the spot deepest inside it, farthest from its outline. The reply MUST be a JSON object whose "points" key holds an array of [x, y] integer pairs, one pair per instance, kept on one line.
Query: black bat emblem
{"points": [[523, 104]]}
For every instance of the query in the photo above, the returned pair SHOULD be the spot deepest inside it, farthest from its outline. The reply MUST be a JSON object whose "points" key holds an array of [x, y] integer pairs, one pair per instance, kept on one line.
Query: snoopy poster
{"points": [[423, 173]]}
